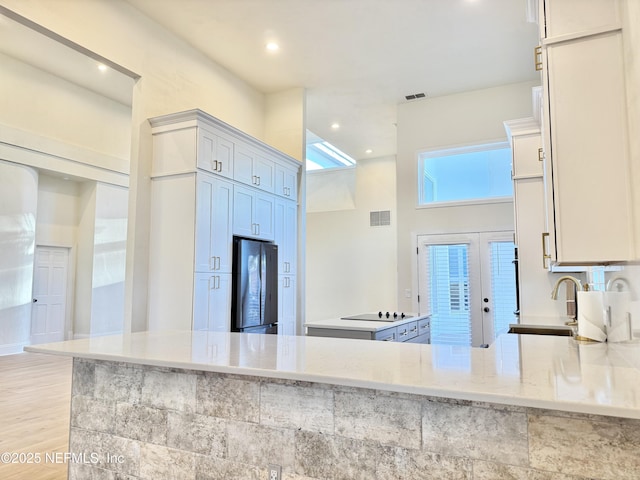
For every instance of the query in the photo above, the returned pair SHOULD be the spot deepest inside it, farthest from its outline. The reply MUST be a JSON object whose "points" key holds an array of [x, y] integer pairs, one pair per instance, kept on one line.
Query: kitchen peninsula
{"points": [[226, 405]]}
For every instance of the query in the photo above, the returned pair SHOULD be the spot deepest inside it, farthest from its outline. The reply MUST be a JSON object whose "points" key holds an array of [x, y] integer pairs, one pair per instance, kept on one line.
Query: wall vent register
{"points": [[380, 219]]}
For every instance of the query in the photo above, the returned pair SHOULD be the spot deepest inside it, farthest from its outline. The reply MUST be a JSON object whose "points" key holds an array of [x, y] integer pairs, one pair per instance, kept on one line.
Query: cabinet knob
{"points": [[486, 309]]}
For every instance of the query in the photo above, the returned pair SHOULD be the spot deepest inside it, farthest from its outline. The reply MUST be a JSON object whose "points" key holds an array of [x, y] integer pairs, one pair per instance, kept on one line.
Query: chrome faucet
{"points": [[572, 304]]}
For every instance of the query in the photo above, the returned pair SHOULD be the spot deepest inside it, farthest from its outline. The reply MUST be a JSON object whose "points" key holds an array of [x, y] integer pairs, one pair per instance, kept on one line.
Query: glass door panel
{"points": [[467, 283]]}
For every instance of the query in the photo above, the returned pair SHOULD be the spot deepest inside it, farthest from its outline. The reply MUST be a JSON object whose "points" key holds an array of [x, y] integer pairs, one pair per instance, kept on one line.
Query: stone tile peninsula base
{"points": [[132, 421]]}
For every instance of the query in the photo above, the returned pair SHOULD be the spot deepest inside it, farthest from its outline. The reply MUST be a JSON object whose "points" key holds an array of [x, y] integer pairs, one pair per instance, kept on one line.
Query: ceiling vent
{"points": [[414, 96], [380, 219]]}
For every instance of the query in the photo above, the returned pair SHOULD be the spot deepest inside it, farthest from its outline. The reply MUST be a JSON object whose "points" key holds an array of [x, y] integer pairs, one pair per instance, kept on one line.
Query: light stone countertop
{"points": [[538, 371], [362, 325]]}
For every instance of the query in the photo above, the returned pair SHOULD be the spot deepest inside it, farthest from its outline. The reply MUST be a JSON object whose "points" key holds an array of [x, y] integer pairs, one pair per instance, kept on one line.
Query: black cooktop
{"points": [[379, 317]]}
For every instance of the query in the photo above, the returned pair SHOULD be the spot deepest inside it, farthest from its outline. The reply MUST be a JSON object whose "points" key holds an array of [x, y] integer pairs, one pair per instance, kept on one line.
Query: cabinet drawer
{"points": [[387, 335], [424, 326], [407, 331]]}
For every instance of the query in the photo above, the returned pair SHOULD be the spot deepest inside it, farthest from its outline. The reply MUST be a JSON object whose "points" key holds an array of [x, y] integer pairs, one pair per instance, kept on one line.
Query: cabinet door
{"points": [[264, 218], [215, 154], [571, 17], [214, 204], [253, 213], [527, 156], [243, 206], [286, 182], [243, 165], [287, 305], [265, 174], [589, 143], [212, 302], [286, 235]]}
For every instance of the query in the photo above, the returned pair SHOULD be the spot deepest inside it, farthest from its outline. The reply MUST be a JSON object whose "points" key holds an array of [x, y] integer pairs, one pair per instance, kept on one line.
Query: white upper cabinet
{"points": [[186, 141], [254, 169], [576, 17], [286, 182], [586, 170], [215, 153], [253, 213]]}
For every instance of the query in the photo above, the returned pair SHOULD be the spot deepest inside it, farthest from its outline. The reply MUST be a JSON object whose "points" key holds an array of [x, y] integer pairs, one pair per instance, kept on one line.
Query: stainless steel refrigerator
{"points": [[254, 304]]}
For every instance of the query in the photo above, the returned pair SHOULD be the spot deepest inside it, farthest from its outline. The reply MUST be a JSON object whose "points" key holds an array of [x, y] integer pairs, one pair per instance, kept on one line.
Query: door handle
{"points": [[545, 255], [537, 58]]}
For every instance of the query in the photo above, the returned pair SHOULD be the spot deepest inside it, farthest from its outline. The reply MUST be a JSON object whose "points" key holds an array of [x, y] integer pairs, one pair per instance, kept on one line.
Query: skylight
{"points": [[322, 155]]}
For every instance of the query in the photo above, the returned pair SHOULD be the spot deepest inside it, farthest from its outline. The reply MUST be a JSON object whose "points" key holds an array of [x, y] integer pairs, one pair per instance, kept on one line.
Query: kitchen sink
{"points": [[559, 330]]}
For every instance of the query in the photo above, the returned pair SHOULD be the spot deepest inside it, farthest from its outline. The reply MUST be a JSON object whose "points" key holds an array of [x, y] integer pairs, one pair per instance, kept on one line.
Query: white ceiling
{"points": [[41, 48], [358, 58]]}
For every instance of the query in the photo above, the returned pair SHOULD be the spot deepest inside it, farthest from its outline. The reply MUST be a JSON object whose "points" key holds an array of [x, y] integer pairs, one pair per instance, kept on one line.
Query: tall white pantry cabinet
{"points": [[209, 182]]}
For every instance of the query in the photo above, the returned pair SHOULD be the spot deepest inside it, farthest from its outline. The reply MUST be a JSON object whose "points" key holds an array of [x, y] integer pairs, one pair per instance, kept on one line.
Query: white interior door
{"points": [[467, 284], [49, 294]]}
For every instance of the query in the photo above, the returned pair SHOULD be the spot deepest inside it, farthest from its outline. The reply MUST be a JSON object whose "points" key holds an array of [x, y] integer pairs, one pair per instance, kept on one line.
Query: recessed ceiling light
{"points": [[102, 67], [368, 150], [335, 126], [272, 47]]}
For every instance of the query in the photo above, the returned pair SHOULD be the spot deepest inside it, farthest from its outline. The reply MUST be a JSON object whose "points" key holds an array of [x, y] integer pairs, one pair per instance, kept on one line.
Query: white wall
{"points": [[351, 267], [57, 226], [18, 209], [58, 211], [64, 112], [109, 260], [84, 260], [453, 120]]}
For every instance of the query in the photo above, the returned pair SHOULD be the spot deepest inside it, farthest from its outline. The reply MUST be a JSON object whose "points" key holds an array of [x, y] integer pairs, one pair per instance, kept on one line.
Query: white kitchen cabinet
{"points": [[534, 280], [214, 207], [177, 151], [253, 213], [566, 18], [286, 182], [215, 153], [210, 182], [287, 305], [254, 169], [286, 235], [586, 170], [212, 302]]}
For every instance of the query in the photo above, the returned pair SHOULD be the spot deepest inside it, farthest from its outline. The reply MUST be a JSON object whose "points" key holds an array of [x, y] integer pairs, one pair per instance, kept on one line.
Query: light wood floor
{"points": [[35, 396]]}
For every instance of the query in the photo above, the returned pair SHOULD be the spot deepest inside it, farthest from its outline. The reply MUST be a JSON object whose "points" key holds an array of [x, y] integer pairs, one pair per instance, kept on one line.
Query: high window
{"points": [[478, 173]]}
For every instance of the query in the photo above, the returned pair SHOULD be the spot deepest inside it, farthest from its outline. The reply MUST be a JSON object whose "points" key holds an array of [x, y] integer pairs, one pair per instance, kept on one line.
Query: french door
{"points": [[467, 283]]}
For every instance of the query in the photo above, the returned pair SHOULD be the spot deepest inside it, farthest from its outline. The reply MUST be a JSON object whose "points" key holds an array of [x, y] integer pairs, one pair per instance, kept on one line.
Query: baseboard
{"points": [[12, 348]]}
